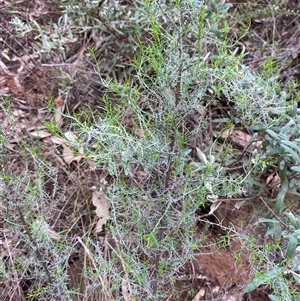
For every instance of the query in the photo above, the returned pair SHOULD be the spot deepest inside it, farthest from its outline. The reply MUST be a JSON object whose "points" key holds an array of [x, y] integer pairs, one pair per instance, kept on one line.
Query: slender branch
{"points": [[172, 145], [272, 211]]}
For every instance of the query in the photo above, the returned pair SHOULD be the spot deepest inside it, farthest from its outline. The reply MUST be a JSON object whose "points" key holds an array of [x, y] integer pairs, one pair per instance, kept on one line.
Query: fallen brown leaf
{"points": [[102, 209], [128, 118], [57, 140], [60, 107], [199, 295], [40, 134], [239, 138], [273, 180], [68, 155], [138, 132], [126, 290]]}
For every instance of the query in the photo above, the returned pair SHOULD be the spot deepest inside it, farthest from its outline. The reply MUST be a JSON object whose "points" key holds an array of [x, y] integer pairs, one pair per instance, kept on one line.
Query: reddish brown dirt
{"points": [[222, 271]]}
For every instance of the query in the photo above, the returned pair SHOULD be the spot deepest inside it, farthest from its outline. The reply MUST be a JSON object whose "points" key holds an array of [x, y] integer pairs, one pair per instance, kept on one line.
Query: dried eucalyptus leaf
{"points": [[40, 134], [102, 209], [201, 156], [69, 156]]}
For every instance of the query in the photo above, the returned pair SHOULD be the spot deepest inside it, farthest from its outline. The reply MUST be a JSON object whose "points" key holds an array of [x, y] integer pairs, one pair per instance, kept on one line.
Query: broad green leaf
{"points": [[297, 278], [296, 168], [292, 183], [295, 132], [263, 279], [258, 127], [280, 197], [293, 191], [287, 126], [293, 220], [274, 298], [271, 151], [291, 144], [293, 110], [282, 170], [272, 134], [292, 245], [282, 164], [277, 230], [276, 129], [268, 220], [295, 263], [291, 152]]}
